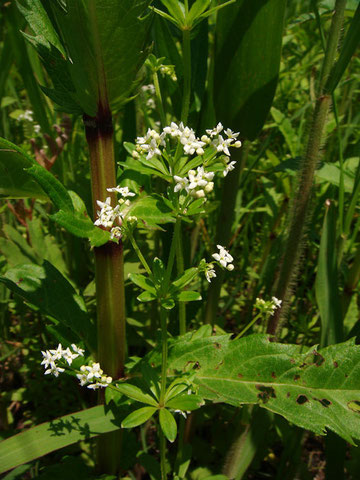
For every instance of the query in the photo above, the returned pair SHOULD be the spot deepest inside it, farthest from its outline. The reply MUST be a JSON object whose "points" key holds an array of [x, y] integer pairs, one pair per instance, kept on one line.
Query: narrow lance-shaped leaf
{"points": [[48, 437], [326, 283], [249, 36], [351, 42]]}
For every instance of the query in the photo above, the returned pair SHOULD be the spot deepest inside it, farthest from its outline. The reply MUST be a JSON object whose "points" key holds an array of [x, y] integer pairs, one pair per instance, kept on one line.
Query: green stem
{"points": [[164, 347], [186, 48], [162, 454], [171, 258], [253, 321], [180, 270], [139, 254], [159, 100]]}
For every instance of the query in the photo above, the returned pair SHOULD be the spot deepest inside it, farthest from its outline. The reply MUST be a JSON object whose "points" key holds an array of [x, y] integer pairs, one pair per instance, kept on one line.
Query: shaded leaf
{"points": [[185, 402], [46, 288], [138, 417], [168, 424], [15, 182], [51, 436]]}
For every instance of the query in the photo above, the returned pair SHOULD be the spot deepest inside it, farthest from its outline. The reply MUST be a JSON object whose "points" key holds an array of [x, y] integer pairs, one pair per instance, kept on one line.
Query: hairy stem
{"points": [[301, 201]]}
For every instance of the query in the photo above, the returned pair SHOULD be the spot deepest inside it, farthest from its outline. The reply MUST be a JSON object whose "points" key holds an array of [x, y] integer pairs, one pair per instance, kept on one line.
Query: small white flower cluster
{"points": [[90, 374], [268, 307], [149, 144], [168, 70], [152, 141], [224, 258], [222, 144], [187, 138], [197, 184], [58, 354], [93, 375], [149, 88], [27, 115], [107, 215]]}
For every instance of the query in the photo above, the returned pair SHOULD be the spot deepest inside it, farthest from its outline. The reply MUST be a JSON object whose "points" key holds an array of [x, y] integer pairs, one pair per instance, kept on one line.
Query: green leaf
{"points": [[248, 38], [51, 436], [185, 278], [185, 402], [135, 393], [196, 10], [99, 68], [167, 303], [314, 389], [14, 23], [146, 297], [188, 296], [350, 43], [158, 271], [15, 182], [152, 210], [168, 424], [80, 225], [143, 282], [138, 417], [54, 189], [45, 287], [326, 283]]}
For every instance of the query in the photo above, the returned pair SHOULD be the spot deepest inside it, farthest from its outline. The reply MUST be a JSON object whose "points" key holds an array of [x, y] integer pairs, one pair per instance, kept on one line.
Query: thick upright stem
{"points": [[109, 277], [108, 258]]}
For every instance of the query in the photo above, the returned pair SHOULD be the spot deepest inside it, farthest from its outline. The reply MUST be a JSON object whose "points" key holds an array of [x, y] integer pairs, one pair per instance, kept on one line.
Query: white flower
{"points": [[223, 257], [54, 370], [230, 134], [215, 131], [58, 353], [230, 166], [27, 115], [115, 232], [69, 356], [48, 359], [277, 302], [172, 130], [181, 183], [77, 350], [107, 215], [37, 129], [222, 145], [209, 274], [124, 191], [150, 143]]}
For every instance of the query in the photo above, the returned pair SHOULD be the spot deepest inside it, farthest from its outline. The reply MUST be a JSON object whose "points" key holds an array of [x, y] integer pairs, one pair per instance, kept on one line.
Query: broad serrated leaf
{"points": [[46, 288], [135, 393], [15, 182], [138, 417], [314, 389], [51, 436], [168, 424]]}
